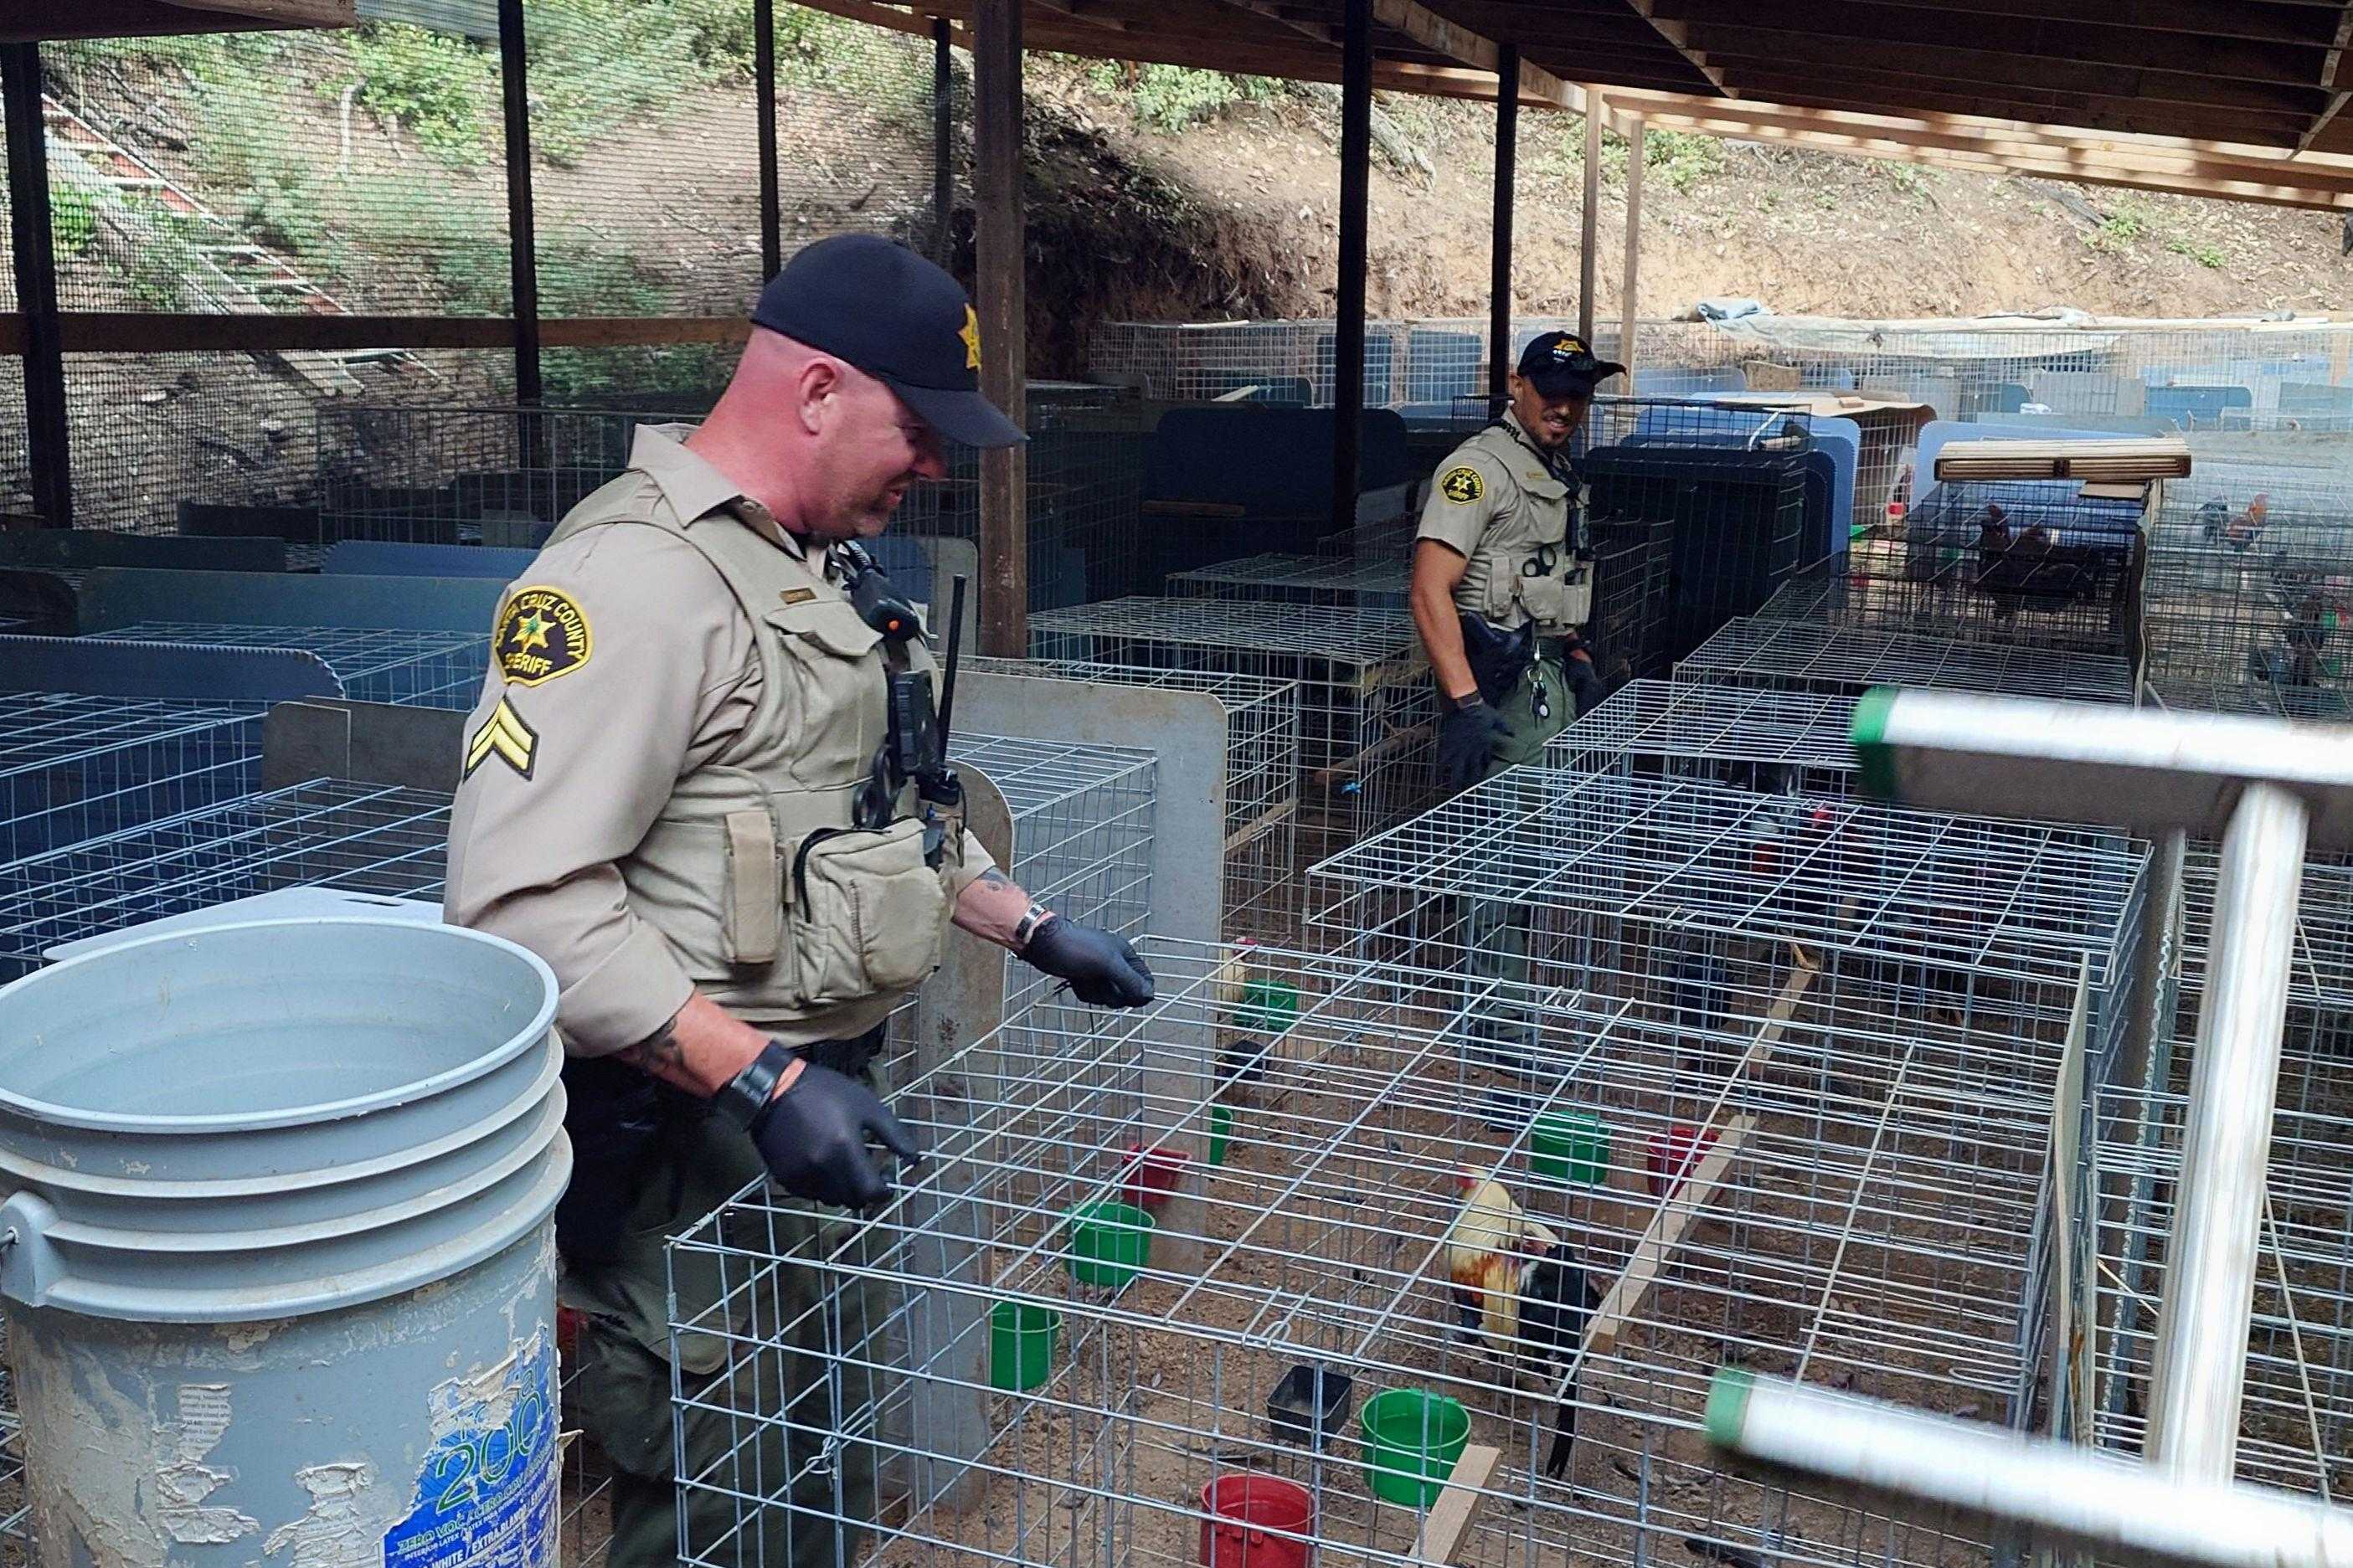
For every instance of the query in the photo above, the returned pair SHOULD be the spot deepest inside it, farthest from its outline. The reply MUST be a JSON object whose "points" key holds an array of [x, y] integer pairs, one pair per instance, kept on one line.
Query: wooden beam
{"points": [[999, 244], [523, 243], [282, 12], [1499, 242], [1590, 237], [1348, 305], [1677, 1212], [2274, 21], [1478, 51], [1450, 1517], [1635, 134], [764, 135], [1678, 37], [32, 239], [2330, 68]]}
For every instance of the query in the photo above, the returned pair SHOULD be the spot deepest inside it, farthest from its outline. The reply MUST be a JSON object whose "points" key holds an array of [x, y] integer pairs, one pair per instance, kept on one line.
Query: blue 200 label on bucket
{"points": [[486, 1497]]}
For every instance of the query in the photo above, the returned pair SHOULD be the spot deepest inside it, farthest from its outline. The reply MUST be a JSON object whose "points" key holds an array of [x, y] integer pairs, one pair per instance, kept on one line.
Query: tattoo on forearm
{"points": [[996, 878], [659, 1054]]}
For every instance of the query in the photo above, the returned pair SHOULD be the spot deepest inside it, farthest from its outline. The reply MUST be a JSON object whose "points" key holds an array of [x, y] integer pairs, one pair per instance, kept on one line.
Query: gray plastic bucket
{"points": [[276, 1247]]}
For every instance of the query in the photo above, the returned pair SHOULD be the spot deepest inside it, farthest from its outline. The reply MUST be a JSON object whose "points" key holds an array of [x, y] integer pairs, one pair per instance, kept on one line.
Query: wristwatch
{"points": [[1027, 926], [741, 1097]]}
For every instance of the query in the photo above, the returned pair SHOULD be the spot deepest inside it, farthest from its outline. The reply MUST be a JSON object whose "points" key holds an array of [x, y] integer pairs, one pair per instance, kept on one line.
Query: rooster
{"points": [[1518, 1287], [2242, 531]]}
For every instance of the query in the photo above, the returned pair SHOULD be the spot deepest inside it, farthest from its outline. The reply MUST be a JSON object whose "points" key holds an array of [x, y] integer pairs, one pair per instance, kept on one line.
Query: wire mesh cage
{"points": [[1333, 580], [1367, 706], [1682, 894], [1633, 588], [365, 839], [2034, 562], [1261, 777], [1732, 483], [445, 475], [411, 668], [1348, 1292], [75, 767], [1772, 741], [1801, 655]]}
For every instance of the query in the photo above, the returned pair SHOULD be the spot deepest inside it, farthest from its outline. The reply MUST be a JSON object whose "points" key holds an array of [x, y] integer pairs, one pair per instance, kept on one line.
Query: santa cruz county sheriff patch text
{"points": [[542, 635]]}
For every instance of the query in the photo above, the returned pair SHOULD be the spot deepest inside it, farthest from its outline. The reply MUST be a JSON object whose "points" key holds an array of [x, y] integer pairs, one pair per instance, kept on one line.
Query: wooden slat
{"points": [[1450, 1517], [2102, 462]]}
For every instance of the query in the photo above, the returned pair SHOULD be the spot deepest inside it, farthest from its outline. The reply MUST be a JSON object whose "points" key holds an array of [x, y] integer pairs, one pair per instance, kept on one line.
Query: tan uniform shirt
{"points": [[658, 676], [1497, 504]]}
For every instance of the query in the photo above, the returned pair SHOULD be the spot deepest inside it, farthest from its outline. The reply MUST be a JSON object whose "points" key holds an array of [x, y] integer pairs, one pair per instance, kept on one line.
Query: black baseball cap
{"points": [[897, 317], [1559, 365]]}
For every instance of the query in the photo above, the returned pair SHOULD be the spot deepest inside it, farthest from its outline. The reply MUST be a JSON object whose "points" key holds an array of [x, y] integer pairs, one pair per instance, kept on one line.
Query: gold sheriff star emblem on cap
{"points": [[971, 336]]}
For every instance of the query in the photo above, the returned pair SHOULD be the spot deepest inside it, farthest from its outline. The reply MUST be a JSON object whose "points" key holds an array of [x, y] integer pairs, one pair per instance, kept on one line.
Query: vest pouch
{"points": [[868, 916], [755, 897]]}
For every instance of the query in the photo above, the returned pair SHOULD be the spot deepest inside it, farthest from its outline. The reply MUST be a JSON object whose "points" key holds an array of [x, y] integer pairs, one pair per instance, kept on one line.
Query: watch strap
{"points": [[1027, 926], [743, 1097]]}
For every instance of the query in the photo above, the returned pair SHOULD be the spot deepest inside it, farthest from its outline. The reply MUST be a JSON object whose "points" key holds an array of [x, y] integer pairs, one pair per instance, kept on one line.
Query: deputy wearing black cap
{"points": [[1503, 572], [677, 791]]}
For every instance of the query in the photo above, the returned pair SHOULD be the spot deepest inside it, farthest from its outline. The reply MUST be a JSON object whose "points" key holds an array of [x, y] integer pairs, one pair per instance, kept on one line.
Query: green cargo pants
{"points": [[762, 1403], [1538, 708]]}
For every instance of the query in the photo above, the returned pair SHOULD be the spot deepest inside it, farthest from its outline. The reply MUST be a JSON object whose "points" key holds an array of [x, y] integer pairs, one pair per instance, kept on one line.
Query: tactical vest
{"points": [[783, 910], [1539, 561]]}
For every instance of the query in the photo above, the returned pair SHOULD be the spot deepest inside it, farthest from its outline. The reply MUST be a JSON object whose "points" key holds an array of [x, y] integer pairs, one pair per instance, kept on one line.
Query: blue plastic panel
{"points": [[113, 598], [383, 558], [78, 549], [98, 668]]}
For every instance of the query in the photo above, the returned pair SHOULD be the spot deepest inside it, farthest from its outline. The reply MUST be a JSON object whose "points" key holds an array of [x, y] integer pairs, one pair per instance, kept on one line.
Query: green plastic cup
{"points": [[1221, 1132], [1110, 1244], [1570, 1146], [1021, 1338], [1412, 1441], [1269, 1008]]}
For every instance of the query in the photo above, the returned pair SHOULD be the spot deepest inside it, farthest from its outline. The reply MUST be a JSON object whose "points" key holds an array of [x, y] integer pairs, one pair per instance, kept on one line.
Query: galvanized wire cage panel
{"points": [[1680, 893], [1866, 1208], [79, 767], [1633, 592], [2264, 631], [1261, 774], [418, 670], [2296, 1426], [444, 474], [366, 839], [1338, 581], [1797, 654], [2030, 563], [1367, 706], [1753, 737]]}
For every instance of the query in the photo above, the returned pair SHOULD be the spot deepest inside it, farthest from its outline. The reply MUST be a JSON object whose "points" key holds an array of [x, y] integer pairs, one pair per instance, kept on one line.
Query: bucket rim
{"points": [[167, 1123]]}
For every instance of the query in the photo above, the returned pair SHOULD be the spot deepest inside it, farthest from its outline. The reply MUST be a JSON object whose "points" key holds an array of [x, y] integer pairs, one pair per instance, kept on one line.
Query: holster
{"points": [[614, 1115], [1497, 658]]}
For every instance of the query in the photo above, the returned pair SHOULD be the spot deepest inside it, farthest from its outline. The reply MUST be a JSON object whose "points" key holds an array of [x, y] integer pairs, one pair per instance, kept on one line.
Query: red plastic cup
{"points": [[1153, 1176], [1243, 1509], [1673, 1153]]}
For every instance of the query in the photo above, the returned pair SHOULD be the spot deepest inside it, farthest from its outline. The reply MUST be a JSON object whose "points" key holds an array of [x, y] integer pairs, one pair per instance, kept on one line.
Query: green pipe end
{"points": [[1868, 734], [1727, 1404]]}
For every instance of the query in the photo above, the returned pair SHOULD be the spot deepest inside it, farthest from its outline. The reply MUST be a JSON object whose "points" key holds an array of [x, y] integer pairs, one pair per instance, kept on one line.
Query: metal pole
{"points": [[32, 243], [522, 240], [763, 82], [1969, 1474], [1499, 286], [2147, 1065], [1356, 195], [943, 140], [2201, 1346]]}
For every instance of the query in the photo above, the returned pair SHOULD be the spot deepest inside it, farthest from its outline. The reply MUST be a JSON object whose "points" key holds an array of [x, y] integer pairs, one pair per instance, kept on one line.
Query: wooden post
{"points": [[33, 245], [1355, 195], [943, 141], [1588, 273], [523, 241], [764, 84], [1499, 285], [997, 243], [1634, 251]]}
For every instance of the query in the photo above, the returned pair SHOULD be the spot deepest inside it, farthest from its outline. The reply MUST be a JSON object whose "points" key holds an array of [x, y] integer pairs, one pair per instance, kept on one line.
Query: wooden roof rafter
{"points": [[33, 21]]}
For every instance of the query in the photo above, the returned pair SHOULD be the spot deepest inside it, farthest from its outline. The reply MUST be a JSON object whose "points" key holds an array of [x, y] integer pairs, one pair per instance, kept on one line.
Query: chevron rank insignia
{"points": [[505, 736]]}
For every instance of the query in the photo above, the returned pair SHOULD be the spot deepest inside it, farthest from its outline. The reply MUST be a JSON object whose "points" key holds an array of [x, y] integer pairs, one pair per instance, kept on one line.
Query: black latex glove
{"points": [[1584, 681], [1467, 739], [1102, 969], [813, 1137]]}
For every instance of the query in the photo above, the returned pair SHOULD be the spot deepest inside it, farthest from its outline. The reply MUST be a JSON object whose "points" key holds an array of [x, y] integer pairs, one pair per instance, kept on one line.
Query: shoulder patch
{"points": [[505, 736], [542, 634], [1463, 484]]}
